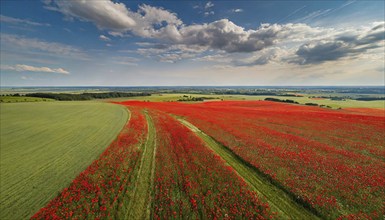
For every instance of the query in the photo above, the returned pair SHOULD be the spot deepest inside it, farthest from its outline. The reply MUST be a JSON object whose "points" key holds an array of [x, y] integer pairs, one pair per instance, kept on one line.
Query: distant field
{"points": [[12, 99], [161, 97], [349, 103], [173, 97], [45, 145], [302, 100], [53, 90]]}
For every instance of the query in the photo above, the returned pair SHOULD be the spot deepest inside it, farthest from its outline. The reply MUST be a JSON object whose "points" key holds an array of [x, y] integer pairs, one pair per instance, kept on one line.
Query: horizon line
{"points": [[147, 86]]}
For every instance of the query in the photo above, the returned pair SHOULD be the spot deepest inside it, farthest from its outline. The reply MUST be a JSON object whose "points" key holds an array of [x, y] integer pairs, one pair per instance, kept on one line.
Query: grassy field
{"points": [[45, 145], [13, 99], [349, 103], [302, 100]]}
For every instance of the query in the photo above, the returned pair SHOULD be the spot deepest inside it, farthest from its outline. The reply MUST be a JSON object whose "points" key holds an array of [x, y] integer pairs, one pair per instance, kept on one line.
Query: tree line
{"points": [[85, 96]]}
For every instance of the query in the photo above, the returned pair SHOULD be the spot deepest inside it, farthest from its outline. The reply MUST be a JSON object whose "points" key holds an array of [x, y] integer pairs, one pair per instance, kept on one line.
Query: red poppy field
{"points": [[234, 160]]}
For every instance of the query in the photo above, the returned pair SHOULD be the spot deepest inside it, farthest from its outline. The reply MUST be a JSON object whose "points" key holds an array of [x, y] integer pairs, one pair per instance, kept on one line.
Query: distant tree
{"points": [[280, 100]]}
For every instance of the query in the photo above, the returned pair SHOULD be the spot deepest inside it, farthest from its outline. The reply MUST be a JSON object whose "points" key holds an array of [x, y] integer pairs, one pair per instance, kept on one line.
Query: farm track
{"points": [[139, 206], [279, 201]]}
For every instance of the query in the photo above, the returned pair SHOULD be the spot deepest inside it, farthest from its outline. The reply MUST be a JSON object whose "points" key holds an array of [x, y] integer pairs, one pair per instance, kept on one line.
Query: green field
{"points": [[349, 103], [45, 145]]}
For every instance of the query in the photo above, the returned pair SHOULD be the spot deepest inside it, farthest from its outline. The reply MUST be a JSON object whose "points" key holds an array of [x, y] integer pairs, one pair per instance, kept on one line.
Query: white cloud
{"points": [[313, 15], [208, 9], [209, 5], [104, 38], [237, 10], [218, 58], [148, 21], [12, 20], [205, 9], [128, 61], [267, 43], [169, 53], [320, 14], [207, 13], [153, 22], [266, 56], [158, 23], [27, 68], [222, 35], [15, 42], [105, 14]]}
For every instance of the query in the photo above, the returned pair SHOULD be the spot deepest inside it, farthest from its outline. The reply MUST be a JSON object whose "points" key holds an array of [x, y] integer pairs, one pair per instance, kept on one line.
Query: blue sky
{"points": [[148, 43]]}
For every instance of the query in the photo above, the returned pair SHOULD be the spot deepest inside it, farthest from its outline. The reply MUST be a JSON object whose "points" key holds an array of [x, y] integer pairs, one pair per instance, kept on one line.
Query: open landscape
{"points": [[192, 110], [156, 157]]}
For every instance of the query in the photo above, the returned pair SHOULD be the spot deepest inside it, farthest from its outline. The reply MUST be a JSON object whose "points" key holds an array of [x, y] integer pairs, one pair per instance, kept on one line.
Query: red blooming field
{"points": [[191, 182], [101, 190], [331, 160]]}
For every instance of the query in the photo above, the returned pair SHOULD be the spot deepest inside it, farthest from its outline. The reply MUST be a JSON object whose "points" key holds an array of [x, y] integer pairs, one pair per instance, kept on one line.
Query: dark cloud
{"points": [[348, 45], [323, 51], [226, 36]]}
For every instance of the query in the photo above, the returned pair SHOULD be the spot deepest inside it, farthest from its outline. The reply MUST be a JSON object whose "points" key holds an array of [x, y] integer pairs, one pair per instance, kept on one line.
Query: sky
{"points": [[191, 43]]}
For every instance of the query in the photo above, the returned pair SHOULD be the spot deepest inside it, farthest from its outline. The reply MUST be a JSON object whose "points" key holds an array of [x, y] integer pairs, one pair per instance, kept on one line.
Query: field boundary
{"points": [[152, 190], [280, 200], [140, 202]]}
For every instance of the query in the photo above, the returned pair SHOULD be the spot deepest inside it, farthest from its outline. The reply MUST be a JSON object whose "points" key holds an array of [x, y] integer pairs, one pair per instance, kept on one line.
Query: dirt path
{"points": [[279, 201], [141, 200]]}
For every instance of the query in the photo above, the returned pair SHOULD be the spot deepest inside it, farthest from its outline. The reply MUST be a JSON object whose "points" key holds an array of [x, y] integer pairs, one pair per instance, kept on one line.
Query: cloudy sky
{"points": [[147, 43]]}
